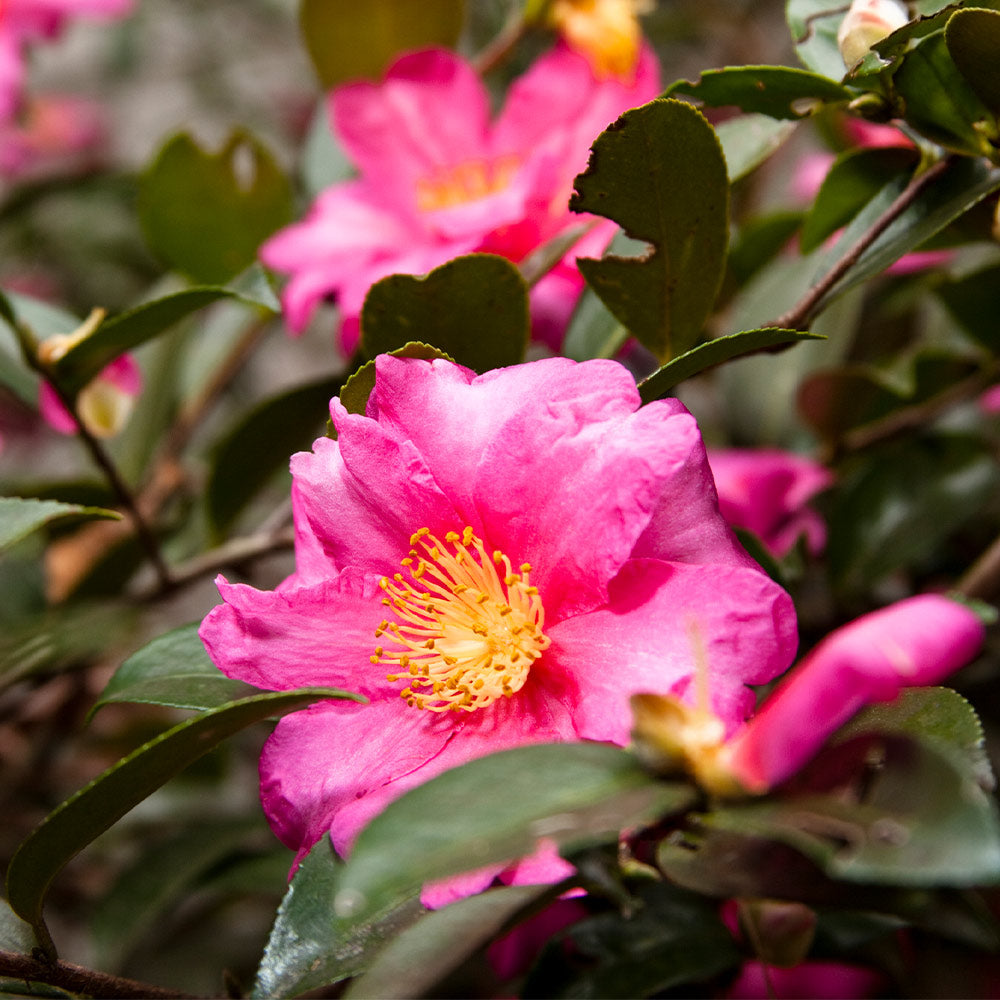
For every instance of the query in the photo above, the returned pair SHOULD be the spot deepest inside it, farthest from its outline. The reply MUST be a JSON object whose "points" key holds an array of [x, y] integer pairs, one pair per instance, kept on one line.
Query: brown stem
{"points": [[501, 46], [79, 980], [801, 315]]}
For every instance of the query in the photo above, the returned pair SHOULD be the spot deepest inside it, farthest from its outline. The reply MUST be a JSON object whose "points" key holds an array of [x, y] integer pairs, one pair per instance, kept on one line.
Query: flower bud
{"points": [[867, 23]]}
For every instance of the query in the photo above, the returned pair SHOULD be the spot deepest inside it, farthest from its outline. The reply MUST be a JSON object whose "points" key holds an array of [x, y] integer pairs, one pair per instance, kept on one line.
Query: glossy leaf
{"points": [[938, 101], [749, 140], [474, 308], [354, 395], [426, 951], [660, 173], [351, 41], [973, 39], [95, 808], [20, 517], [259, 446], [717, 352], [933, 15], [206, 213], [853, 180], [669, 938], [775, 91], [963, 185], [129, 329], [306, 950], [175, 670], [493, 810]]}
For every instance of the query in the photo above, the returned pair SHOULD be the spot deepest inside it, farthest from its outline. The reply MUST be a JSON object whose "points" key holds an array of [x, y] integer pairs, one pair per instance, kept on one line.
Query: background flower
{"points": [[635, 584], [438, 179], [104, 405]]}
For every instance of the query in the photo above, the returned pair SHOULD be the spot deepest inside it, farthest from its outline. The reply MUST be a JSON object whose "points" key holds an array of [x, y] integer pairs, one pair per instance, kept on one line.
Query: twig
{"points": [[801, 315], [501, 46], [79, 980]]}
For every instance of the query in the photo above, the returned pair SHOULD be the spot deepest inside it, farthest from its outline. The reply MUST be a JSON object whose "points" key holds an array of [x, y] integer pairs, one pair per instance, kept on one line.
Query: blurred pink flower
{"points": [[918, 641], [766, 491], [989, 401], [52, 131], [24, 22], [817, 980], [415, 529], [438, 180], [104, 405]]}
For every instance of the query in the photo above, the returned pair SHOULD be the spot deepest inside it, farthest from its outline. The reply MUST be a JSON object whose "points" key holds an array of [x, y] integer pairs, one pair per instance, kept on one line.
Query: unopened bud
{"points": [[867, 23]]}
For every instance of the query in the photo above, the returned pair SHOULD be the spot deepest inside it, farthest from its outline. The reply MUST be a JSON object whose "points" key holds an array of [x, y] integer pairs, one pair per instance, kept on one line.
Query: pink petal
{"points": [[664, 622], [817, 980], [430, 112], [913, 642], [318, 635]]}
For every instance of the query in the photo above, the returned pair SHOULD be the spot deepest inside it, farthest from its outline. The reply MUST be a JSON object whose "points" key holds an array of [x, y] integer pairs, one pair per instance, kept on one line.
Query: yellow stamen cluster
{"points": [[605, 32], [466, 182], [468, 625]]}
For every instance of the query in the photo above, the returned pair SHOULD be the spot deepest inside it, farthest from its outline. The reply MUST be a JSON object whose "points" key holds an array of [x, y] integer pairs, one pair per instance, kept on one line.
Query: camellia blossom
{"points": [[24, 22], [866, 23], [52, 131], [766, 491], [493, 561], [605, 32], [817, 980], [104, 404], [915, 642], [438, 180]]}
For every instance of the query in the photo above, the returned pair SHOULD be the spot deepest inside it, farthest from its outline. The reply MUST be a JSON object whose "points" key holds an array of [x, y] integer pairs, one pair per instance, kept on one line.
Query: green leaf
{"points": [[814, 25], [15, 934], [129, 329], [855, 178], [748, 140], [175, 670], [717, 352], [659, 172], [349, 41], [426, 951], [305, 949], [938, 101], [974, 302], [475, 308], [964, 183], [669, 939], [973, 38], [357, 389], [493, 810], [95, 808], [260, 445], [20, 517], [922, 822], [592, 332], [775, 91], [205, 214]]}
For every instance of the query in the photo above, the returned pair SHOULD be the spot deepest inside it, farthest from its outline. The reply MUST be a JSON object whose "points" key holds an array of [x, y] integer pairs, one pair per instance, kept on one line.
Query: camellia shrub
{"points": [[497, 521]]}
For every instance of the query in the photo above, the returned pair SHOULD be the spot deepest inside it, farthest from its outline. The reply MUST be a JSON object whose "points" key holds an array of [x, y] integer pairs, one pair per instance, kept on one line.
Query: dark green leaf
{"points": [[306, 950], [19, 517], [357, 389], [426, 951], [174, 669], [671, 938], [659, 172], [964, 184], [260, 445], [748, 140], [933, 16], [348, 41], [593, 332], [974, 301], [493, 810], [207, 213], [95, 808], [128, 330], [758, 242], [939, 102], [474, 308], [854, 179], [897, 504], [775, 91], [973, 38], [716, 352]]}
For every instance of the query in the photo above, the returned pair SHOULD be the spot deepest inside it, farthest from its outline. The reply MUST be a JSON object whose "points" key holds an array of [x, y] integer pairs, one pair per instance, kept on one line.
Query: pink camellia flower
{"points": [[817, 980], [104, 405], [914, 642], [766, 491], [23, 22], [52, 132], [493, 561], [438, 180]]}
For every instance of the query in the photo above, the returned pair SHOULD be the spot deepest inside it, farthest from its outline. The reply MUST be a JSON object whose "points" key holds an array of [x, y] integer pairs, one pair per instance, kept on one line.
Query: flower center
{"points": [[469, 181], [469, 627]]}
